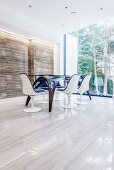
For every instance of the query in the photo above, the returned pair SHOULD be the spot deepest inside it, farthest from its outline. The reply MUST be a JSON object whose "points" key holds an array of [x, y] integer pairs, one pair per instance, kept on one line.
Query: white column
{"points": [[62, 55], [71, 54], [57, 59]]}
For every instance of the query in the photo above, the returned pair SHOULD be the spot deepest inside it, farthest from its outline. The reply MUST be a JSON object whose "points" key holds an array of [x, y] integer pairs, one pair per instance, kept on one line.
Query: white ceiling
{"points": [[45, 18]]}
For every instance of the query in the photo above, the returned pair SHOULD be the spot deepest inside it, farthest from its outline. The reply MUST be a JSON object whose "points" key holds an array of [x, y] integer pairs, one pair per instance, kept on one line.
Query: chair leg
{"points": [[69, 100], [57, 99], [32, 109], [43, 101], [32, 102], [28, 100], [80, 101], [68, 106], [89, 95]]}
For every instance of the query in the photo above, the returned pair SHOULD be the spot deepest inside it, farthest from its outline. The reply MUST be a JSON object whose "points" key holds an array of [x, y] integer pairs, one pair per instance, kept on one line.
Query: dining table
{"points": [[52, 83]]}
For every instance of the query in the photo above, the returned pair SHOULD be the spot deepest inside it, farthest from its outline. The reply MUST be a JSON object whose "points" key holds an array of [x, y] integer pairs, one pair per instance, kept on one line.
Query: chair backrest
{"points": [[26, 85], [72, 85], [85, 84], [40, 81]]}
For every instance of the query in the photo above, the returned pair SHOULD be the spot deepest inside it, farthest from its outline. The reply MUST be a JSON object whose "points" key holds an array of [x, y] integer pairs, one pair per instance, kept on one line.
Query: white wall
{"points": [[71, 54], [56, 59]]}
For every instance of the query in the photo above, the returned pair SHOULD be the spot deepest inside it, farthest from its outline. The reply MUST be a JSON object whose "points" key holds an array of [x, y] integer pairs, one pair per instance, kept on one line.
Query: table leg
{"points": [[51, 94]]}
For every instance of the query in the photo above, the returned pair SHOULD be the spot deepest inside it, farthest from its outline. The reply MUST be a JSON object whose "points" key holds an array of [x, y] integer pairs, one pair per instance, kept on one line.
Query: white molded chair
{"points": [[84, 88], [70, 89], [29, 91]]}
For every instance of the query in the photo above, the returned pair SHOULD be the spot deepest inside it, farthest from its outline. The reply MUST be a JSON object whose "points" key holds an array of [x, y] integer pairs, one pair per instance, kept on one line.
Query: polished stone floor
{"points": [[77, 139]]}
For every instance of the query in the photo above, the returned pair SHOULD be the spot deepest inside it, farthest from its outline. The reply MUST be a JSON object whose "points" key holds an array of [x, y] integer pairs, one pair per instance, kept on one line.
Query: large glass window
{"points": [[96, 56]]}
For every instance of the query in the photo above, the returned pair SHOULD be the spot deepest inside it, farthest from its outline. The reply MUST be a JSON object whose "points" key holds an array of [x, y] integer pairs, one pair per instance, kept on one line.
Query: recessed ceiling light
{"points": [[73, 13], [101, 9], [30, 6]]}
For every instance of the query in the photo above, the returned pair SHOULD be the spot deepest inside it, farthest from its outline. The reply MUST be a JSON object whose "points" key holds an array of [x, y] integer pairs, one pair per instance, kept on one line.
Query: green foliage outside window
{"points": [[96, 56]]}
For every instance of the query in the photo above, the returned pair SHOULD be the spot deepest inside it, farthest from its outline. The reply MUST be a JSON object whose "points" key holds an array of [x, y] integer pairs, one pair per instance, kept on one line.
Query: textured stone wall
{"points": [[43, 54], [19, 55], [13, 61]]}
